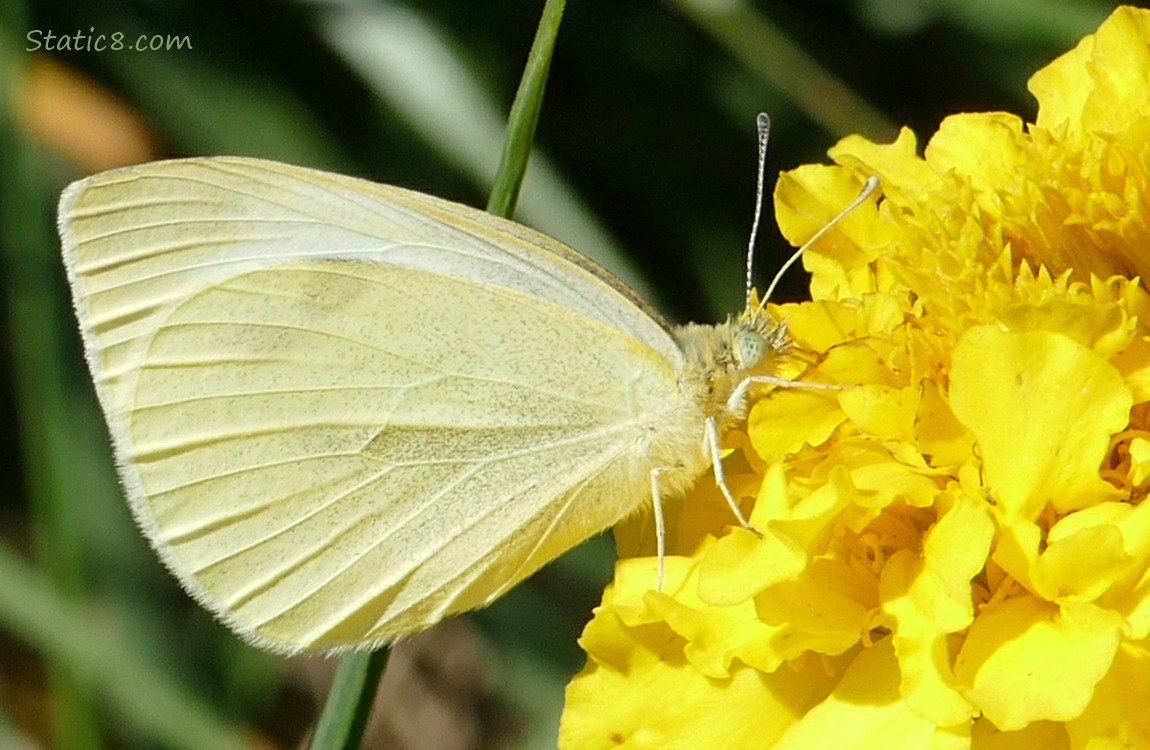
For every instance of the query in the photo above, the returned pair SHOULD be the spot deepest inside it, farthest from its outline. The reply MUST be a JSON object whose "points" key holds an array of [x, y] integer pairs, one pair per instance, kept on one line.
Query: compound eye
{"points": [[752, 347]]}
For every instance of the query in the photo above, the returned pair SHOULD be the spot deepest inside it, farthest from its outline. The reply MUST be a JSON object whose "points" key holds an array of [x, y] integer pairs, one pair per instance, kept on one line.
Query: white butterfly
{"points": [[343, 411]]}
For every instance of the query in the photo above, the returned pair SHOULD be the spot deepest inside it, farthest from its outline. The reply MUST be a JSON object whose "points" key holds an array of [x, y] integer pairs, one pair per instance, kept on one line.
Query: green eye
{"points": [[751, 347]]}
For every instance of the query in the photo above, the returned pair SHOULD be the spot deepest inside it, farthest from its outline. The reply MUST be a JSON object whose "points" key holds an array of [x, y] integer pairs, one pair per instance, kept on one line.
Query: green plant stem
{"points": [[524, 115], [349, 702]]}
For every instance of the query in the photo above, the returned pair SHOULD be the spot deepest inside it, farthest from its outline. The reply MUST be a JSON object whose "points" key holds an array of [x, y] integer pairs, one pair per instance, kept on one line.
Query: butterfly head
{"points": [[721, 356]]}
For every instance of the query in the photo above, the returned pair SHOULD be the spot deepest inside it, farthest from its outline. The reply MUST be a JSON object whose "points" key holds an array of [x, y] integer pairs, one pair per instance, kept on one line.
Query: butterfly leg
{"points": [[715, 448], [660, 527], [736, 402]]}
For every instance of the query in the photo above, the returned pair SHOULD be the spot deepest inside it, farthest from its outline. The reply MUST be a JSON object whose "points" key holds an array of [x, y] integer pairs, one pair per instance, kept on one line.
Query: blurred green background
{"points": [[645, 160]]}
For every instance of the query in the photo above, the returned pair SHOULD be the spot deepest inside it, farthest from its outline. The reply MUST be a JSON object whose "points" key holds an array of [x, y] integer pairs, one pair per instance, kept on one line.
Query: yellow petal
{"points": [[982, 146], [930, 598], [790, 419], [661, 704], [1117, 717], [742, 564], [715, 636], [1130, 595], [1101, 84], [1063, 87], [858, 362], [1139, 460], [866, 712], [881, 410], [1134, 364], [1042, 408], [1028, 660], [1041, 735], [1085, 554], [1017, 550], [943, 440], [692, 521], [1106, 328], [885, 482], [826, 610], [624, 627], [819, 325], [902, 173]]}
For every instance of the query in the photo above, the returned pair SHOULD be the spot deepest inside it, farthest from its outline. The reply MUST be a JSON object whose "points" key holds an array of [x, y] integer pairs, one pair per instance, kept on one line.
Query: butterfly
{"points": [[343, 411]]}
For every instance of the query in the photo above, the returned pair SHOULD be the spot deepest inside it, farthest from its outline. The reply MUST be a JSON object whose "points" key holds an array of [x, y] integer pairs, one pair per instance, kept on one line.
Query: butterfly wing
{"points": [[343, 411]]}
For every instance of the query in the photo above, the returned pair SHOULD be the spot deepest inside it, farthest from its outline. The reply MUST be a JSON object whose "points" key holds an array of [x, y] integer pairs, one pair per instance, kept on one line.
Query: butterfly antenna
{"points": [[764, 123], [867, 191]]}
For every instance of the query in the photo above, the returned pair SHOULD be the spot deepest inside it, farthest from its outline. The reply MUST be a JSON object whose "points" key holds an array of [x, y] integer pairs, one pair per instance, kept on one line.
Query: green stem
{"points": [[525, 114], [349, 703]]}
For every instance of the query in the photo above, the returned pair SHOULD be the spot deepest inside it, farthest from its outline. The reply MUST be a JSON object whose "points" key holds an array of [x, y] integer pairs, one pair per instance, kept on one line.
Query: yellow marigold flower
{"points": [[955, 551]]}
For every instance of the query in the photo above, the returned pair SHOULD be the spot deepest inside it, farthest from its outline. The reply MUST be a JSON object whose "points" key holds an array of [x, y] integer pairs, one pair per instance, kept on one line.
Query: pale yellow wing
{"points": [[343, 411]]}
